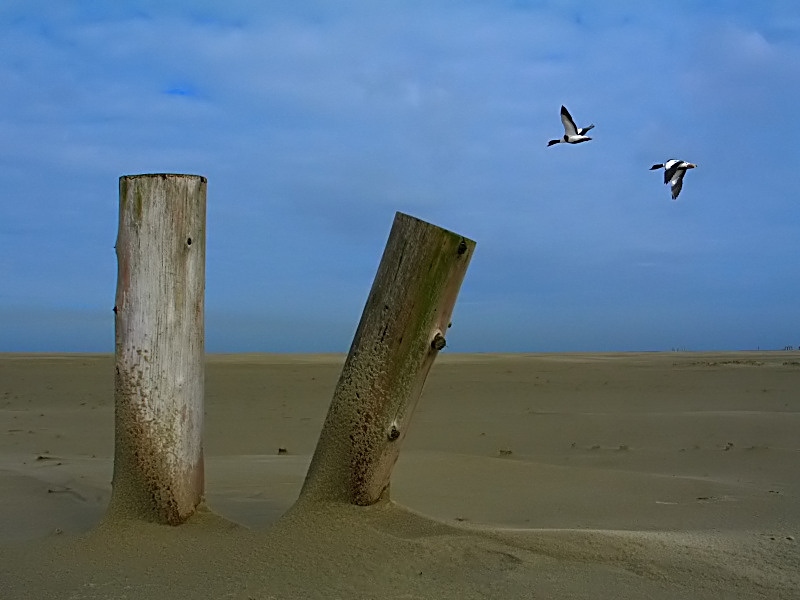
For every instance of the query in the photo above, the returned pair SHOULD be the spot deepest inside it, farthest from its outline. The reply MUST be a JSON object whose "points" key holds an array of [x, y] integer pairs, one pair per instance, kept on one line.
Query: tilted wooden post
{"points": [[159, 347], [401, 331]]}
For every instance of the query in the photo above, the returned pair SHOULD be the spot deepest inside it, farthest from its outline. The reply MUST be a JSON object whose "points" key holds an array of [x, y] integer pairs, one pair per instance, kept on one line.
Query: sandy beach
{"points": [[632, 475]]}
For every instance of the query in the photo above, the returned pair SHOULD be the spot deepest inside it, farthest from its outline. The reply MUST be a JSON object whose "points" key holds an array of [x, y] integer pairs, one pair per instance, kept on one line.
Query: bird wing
{"points": [[569, 125], [585, 130], [671, 167], [677, 182]]}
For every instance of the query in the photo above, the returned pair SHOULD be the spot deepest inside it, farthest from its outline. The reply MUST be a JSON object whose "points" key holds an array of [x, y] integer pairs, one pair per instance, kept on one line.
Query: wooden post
{"points": [[159, 347], [401, 331]]}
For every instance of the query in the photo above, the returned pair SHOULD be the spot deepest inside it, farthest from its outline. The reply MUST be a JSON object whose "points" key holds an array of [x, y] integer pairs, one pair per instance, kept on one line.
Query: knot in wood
{"points": [[394, 433], [438, 342]]}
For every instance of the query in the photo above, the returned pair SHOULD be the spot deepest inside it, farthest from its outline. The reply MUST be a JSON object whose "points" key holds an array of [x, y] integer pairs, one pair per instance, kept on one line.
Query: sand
{"points": [[648, 475]]}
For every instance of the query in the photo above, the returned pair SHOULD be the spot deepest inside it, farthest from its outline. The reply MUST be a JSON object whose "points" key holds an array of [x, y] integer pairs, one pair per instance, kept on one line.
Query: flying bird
{"points": [[674, 170], [572, 135]]}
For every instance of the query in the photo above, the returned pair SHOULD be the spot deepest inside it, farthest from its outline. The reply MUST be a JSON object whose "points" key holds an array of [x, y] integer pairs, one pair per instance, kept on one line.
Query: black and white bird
{"points": [[572, 135], [674, 170]]}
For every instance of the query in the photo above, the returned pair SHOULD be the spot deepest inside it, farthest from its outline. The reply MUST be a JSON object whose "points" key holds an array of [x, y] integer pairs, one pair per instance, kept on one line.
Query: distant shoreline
{"points": [[444, 355]]}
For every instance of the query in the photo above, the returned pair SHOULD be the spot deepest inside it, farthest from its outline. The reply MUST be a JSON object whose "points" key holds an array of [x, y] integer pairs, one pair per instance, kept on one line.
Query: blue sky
{"points": [[315, 121]]}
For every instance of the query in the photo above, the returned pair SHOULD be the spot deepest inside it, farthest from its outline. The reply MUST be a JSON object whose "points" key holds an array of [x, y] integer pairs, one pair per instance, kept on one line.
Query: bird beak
{"points": [[691, 166]]}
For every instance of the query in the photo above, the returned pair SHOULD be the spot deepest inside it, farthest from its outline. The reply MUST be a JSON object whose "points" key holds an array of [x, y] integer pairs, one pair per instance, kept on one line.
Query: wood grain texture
{"points": [[159, 347], [401, 331]]}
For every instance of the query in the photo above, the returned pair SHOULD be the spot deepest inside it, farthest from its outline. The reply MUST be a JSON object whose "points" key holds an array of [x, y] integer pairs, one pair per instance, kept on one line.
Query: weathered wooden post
{"points": [[159, 347], [400, 333]]}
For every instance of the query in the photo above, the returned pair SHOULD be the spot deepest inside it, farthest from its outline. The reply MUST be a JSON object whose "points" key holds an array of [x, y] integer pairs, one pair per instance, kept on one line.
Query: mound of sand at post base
{"points": [[572, 476], [388, 552]]}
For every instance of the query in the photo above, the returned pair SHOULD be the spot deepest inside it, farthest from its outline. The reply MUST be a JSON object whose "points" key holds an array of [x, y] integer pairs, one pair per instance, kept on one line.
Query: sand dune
{"points": [[663, 475]]}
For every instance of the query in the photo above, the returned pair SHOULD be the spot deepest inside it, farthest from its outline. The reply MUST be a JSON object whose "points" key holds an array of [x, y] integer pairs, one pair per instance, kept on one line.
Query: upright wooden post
{"points": [[401, 331], [159, 347]]}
